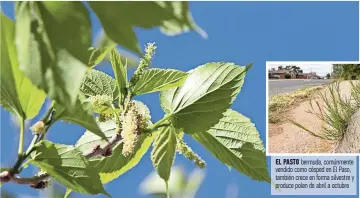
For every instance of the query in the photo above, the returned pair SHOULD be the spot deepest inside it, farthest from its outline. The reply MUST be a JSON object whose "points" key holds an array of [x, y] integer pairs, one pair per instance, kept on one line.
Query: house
{"points": [[280, 74], [312, 75], [301, 76]]}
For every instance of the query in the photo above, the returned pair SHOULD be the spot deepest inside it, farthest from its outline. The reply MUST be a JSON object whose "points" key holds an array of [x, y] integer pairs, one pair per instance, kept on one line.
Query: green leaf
{"points": [[153, 80], [81, 114], [173, 18], [97, 82], [110, 16], [207, 92], [182, 20], [52, 39], [9, 97], [68, 26], [165, 99], [89, 140], [163, 153], [236, 142], [99, 54], [67, 193], [120, 72], [18, 94], [102, 41], [115, 165], [68, 166]]}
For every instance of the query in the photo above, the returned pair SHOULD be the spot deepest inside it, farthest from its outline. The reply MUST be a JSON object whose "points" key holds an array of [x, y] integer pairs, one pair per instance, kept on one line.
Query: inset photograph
{"points": [[313, 107]]}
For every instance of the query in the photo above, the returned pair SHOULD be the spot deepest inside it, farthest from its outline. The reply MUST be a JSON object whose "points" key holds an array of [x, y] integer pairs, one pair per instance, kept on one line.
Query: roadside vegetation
{"points": [[346, 71], [335, 110], [280, 104]]}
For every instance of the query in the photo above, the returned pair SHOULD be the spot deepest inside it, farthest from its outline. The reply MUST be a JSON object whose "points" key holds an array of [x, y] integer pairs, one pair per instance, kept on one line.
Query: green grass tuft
{"points": [[335, 112]]}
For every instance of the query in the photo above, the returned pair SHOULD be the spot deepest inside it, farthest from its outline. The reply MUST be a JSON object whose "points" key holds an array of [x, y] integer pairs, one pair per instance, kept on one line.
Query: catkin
{"points": [[185, 150], [98, 101], [133, 124]]}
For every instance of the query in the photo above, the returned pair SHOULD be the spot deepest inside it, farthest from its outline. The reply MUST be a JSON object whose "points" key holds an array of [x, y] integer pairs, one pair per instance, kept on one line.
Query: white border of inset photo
{"points": [[267, 106]]}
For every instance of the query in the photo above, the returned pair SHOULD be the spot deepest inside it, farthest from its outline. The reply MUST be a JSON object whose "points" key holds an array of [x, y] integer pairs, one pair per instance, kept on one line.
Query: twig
{"points": [[7, 176], [104, 150], [30, 180]]}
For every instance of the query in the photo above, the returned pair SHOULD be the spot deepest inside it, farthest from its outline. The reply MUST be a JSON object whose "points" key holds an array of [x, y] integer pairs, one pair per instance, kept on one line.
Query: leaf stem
{"points": [[160, 122], [33, 142], [15, 168], [167, 189], [116, 115], [45, 118], [23, 156], [21, 139]]}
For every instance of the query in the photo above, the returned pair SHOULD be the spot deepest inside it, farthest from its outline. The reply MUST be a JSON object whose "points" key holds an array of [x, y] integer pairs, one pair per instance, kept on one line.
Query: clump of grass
{"points": [[279, 104], [355, 93], [334, 110]]}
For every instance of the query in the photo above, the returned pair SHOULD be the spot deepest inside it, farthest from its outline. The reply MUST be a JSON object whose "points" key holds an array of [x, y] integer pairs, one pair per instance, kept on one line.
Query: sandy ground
{"points": [[288, 138]]}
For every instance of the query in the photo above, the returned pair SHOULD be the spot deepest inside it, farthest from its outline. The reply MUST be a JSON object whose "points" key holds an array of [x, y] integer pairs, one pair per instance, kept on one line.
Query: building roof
{"points": [[280, 71]]}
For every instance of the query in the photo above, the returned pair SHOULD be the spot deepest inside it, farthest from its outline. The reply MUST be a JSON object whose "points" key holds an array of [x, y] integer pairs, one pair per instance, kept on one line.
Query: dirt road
{"points": [[288, 138]]}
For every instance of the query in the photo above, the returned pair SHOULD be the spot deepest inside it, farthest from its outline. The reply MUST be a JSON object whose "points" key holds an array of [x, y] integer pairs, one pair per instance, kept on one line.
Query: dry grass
{"points": [[280, 104]]}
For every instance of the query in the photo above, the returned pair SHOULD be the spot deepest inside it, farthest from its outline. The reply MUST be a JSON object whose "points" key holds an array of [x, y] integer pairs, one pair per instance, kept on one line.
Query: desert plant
{"points": [[335, 110], [355, 93], [51, 60]]}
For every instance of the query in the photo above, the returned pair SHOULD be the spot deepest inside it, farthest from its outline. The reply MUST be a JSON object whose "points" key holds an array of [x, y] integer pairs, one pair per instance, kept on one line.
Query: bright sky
{"points": [[321, 69]]}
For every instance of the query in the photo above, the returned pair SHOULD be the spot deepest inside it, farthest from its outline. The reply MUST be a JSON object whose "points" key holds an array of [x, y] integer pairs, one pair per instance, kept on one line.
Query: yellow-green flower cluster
{"points": [[144, 62], [38, 127], [98, 101], [132, 126], [185, 150], [149, 53], [103, 117]]}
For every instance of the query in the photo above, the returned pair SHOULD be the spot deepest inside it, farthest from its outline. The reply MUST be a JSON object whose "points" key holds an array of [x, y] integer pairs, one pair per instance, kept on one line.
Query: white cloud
{"points": [[232, 190], [321, 69]]}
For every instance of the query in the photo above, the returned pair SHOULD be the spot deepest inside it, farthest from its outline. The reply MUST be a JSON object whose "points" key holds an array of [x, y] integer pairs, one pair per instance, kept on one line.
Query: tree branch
{"points": [[104, 150], [7, 176], [31, 180]]}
